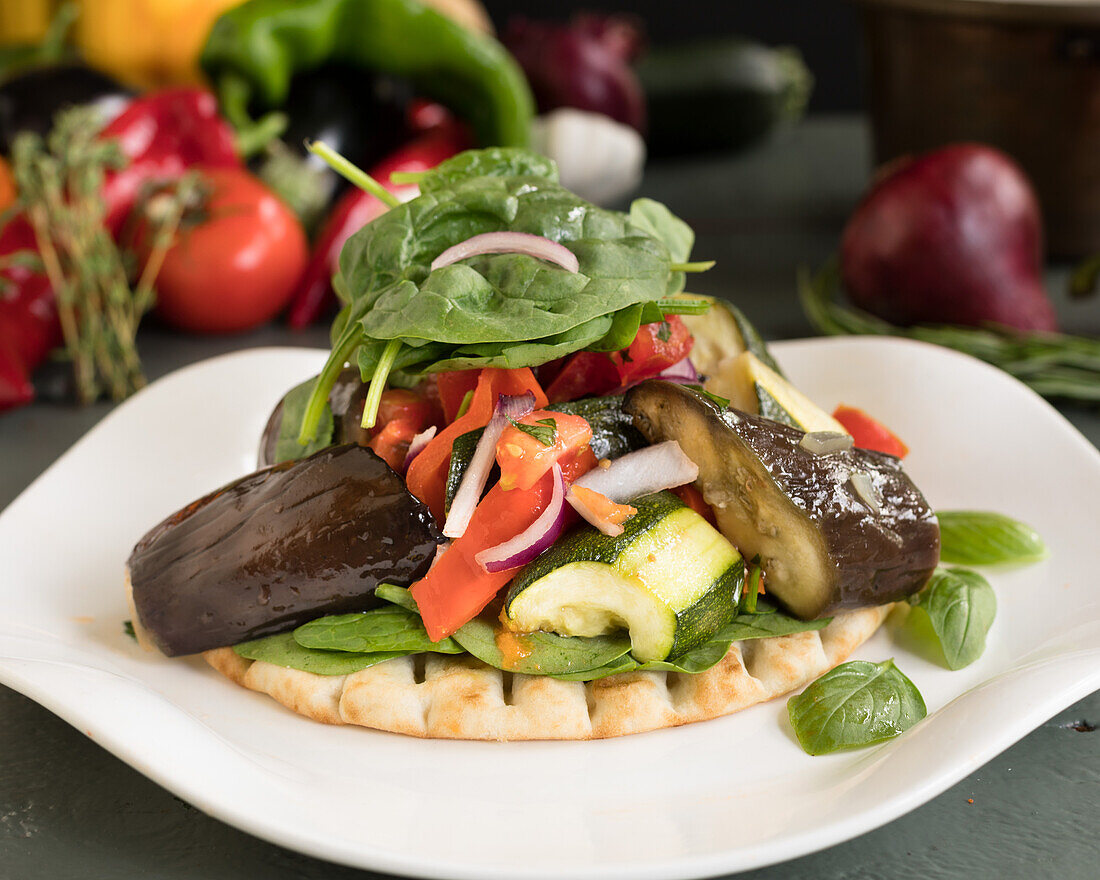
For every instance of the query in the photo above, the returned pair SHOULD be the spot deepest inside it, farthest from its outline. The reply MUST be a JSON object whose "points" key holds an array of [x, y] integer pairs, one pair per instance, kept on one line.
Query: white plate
{"points": [[695, 801]]}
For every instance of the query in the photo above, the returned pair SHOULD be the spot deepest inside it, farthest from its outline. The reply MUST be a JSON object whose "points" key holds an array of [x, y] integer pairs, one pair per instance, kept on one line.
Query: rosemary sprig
{"points": [[1055, 365], [60, 182]]}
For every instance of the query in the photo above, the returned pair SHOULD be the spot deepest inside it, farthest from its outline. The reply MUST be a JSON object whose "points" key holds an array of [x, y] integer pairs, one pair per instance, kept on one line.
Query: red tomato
{"points": [[237, 266], [584, 374], [656, 347], [523, 458]]}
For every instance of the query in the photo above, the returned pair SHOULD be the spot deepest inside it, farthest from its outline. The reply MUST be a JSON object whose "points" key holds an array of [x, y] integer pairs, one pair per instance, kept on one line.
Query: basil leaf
{"points": [[287, 447], [540, 653], [384, 629], [973, 537], [961, 606], [283, 650], [545, 431], [491, 162], [856, 704]]}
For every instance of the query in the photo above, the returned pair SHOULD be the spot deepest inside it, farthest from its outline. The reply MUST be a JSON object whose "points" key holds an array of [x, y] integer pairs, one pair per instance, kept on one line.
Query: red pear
{"points": [[950, 237]]}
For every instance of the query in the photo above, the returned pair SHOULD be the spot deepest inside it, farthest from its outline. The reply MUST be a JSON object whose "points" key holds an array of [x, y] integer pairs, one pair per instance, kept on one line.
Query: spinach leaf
{"points": [[856, 704], [283, 650], [766, 625], [540, 653], [287, 447], [491, 162], [657, 220], [398, 596], [498, 297], [961, 606], [388, 628], [971, 537]]}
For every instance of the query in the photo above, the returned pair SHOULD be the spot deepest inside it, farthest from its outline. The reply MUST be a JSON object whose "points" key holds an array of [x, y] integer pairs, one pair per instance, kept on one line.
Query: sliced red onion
{"points": [[416, 446], [477, 472], [509, 243], [825, 442], [529, 543], [681, 371], [643, 472]]}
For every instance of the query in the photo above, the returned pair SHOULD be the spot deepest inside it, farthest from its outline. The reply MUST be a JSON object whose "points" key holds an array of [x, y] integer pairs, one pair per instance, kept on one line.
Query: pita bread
{"points": [[459, 697]]}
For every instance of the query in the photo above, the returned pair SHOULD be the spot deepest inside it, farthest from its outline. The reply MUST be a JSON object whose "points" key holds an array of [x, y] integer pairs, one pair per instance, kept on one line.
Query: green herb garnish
{"points": [[545, 431], [974, 537], [961, 606], [856, 704]]}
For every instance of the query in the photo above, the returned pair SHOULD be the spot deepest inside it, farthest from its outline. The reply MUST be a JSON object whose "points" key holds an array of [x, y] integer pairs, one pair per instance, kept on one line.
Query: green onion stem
{"points": [[341, 352], [353, 173], [378, 382]]}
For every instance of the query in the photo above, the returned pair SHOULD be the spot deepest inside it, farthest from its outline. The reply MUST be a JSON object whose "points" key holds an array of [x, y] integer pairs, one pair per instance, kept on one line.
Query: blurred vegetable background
{"points": [[198, 170]]}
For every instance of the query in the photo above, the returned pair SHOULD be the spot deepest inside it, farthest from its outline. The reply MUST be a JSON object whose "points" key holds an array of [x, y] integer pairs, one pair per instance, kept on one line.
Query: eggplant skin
{"points": [[823, 547], [278, 548]]}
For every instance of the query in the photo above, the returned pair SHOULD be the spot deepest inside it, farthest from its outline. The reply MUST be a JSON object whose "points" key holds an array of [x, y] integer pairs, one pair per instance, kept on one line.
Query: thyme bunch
{"points": [[60, 183]]}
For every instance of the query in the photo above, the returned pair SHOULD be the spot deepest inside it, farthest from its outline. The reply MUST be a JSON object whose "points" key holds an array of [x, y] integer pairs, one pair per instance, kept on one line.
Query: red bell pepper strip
{"points": [[357, 208], [456, 588], [428, 472], [402, 414], [162, 134], [694, 499], [453, 386], [867, 433]]}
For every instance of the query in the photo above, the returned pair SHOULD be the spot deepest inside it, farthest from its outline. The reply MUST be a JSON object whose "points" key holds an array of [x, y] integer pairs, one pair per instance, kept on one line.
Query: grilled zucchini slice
{"points": [[670, 579]]}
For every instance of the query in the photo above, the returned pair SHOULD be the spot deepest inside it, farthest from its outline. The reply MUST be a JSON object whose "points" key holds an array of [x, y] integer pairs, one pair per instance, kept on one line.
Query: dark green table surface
{"points": [[68, 809]]}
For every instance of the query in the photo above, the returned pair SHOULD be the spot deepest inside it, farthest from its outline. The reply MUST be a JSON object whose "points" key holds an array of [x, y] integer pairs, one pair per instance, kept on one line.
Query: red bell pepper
{"points": [[428, 473], [456, 588], [162, 134], [29, 327], [357, 208], [867, 433], [453, 386]]}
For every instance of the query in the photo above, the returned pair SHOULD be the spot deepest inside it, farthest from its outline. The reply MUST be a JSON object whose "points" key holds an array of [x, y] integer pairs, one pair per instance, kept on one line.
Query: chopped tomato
{"points": [[605, 514], [403, 405], [391, 443], [524, 456], [584, 374], [428, 473], [694, 499], [656, 347], [867, 433], [454, 385]]}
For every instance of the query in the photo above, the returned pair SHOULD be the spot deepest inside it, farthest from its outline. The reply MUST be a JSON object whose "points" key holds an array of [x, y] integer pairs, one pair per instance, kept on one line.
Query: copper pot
{"points": [[1022, 75]]}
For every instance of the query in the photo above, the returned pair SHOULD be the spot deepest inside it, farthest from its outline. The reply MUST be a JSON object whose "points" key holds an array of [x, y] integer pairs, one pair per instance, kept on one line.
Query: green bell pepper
{"points": [[254, 50]]}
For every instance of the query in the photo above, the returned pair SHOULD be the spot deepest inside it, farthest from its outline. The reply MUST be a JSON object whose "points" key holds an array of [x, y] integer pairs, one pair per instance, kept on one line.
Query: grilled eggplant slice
{"points": [[835, 530], [278, 548]]}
